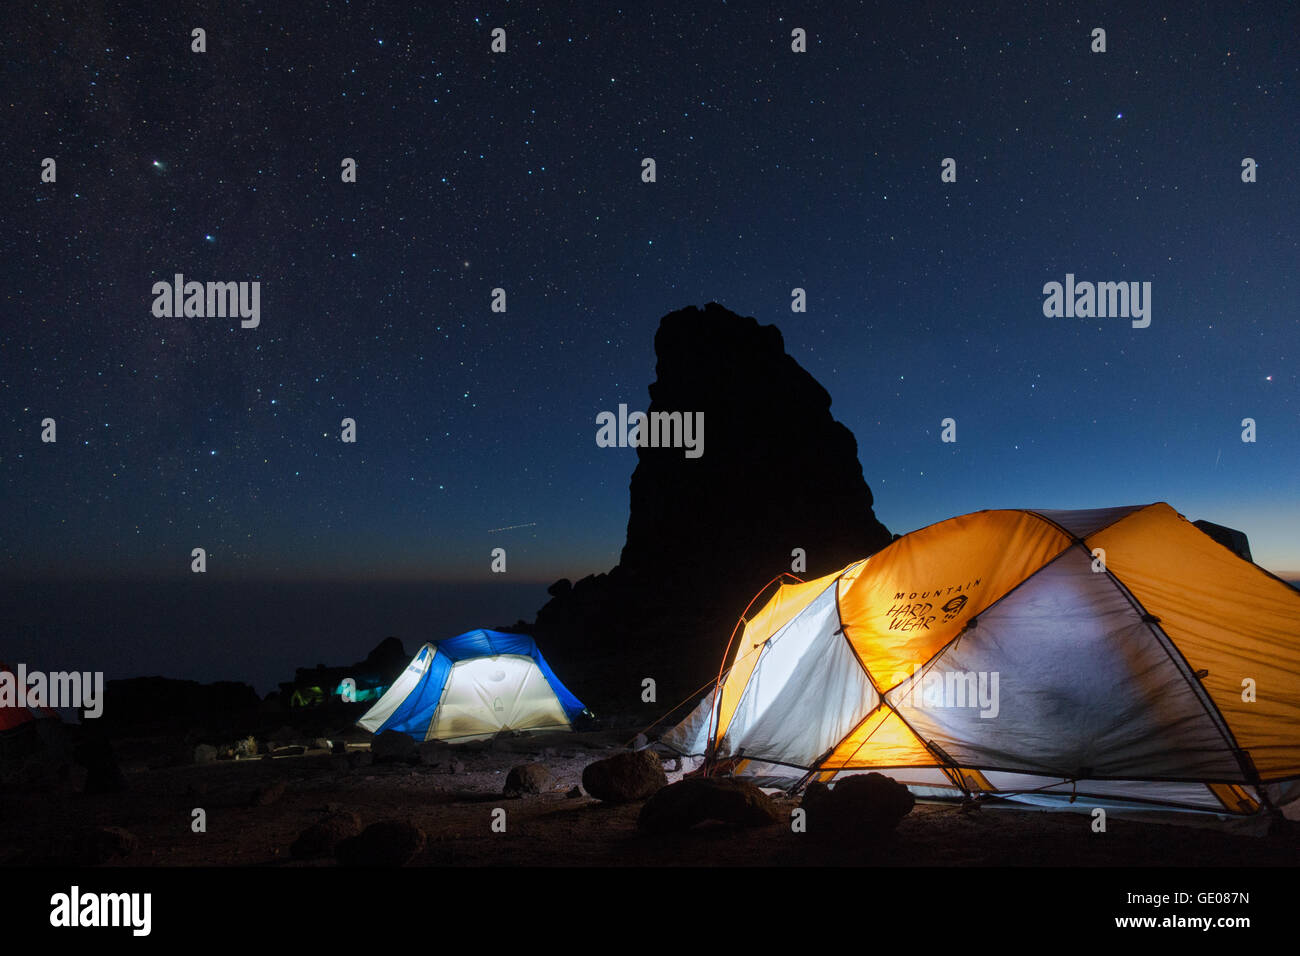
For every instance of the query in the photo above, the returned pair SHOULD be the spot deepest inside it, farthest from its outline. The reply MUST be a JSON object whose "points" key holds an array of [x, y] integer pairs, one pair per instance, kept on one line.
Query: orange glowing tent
{"points": [[1118, 656]]}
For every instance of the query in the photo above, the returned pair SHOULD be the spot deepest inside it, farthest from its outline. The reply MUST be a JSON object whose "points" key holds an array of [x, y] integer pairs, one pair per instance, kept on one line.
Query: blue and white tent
{"points": [[474, 686]]}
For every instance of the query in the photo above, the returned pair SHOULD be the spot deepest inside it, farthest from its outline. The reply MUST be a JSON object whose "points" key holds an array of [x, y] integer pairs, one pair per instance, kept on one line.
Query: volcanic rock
{"points": [[625, 777], [860, 804], [146, 705], [529, 778], [706, 533], [687, 803], [316, 686], [394, 746]]}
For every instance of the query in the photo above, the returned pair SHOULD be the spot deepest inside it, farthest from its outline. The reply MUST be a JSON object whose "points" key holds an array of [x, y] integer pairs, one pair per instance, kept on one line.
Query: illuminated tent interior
{"points": [[1111, 657], [474, 686]]}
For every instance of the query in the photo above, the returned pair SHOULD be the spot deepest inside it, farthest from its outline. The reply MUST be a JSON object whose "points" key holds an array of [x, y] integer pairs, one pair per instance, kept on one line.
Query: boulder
{"points": [[688, 803], [393, 746], [863, 803], [625, 777], [529, 778], [321, 838], [386, 843], [205, 753]]}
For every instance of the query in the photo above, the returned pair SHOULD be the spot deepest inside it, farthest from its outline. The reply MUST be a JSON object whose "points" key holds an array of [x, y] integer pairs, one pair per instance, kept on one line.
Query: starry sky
{"points": [[522, 170]]}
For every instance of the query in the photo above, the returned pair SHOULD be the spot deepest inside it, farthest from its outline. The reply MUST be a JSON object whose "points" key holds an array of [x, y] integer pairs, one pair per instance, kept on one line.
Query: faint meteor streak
{"points": [[511, 527]]}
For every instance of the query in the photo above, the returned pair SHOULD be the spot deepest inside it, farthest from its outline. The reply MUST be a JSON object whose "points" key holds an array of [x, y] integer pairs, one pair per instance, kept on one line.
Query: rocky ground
{"points": [[255, 809]]}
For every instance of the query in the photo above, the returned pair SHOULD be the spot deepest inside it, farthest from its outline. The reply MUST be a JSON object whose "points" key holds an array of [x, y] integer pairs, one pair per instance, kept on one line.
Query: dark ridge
{"points": [[704, 534]]}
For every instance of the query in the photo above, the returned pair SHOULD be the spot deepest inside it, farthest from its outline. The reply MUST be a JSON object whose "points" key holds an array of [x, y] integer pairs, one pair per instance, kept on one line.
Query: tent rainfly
{"points": [[473, 686], [1110, 657], [31, 740]]}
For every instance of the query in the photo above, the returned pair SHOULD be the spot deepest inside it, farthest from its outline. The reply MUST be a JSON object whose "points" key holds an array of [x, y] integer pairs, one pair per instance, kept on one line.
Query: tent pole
{"points": [[710, 750]]}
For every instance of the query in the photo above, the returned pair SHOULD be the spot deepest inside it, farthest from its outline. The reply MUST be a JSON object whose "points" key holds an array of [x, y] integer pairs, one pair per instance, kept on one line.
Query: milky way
{"points": [[522, 170]]}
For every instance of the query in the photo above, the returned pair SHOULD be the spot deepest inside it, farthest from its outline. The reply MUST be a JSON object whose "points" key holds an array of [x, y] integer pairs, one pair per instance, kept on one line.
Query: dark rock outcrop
{"points": [[687, 803], [625, 777], [316, 687], [146, 705], [1232, 539], [777, 473]]}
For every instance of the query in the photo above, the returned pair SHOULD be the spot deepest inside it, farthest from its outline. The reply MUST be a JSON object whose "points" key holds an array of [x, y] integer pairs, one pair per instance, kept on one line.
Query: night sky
{"points": [[522, 170]]}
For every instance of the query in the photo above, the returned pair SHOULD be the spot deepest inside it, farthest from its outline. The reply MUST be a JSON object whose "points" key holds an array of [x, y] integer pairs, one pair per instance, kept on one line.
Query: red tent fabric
{"points": [[11, 715]]}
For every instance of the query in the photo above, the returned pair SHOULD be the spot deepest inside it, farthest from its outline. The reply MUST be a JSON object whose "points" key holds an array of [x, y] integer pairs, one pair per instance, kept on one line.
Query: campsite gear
{"points": [[1113, 656], [472, 687], [32, 743]]}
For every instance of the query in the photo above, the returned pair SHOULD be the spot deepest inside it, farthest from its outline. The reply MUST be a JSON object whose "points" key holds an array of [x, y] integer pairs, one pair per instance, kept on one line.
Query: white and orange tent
{"points": [[1114, 656]]}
